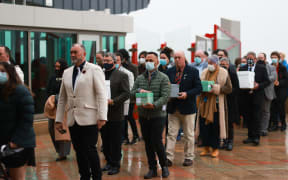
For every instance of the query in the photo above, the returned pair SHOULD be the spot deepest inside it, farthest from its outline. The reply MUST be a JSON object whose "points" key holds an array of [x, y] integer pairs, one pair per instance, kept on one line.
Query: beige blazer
{"points": [[87, 103]]}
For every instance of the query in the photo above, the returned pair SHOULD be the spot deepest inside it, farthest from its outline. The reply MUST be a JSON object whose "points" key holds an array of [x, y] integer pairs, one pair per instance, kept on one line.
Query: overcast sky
{"points": [[264, 23]]}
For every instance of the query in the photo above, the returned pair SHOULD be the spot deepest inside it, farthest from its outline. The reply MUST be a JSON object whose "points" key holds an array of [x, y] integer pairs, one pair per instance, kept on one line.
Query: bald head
{"points": [[180, 59]]}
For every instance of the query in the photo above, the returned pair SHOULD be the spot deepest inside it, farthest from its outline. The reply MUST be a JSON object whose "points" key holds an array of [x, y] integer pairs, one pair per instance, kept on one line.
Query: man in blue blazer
{"points": [[182, 109]]}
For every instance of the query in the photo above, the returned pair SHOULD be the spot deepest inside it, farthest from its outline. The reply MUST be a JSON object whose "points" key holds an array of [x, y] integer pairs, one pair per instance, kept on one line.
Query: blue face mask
{"points": [[197, 60], [280, 61], [149, 66], [3, 77], [172, 60], [163, 62], [107, 66], [242, 64], [274, 61], [117, 66]]}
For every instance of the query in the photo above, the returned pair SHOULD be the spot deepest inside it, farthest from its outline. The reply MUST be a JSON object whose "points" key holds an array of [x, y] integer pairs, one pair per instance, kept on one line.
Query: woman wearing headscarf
{"points": [[212, 107], [60, 141]]}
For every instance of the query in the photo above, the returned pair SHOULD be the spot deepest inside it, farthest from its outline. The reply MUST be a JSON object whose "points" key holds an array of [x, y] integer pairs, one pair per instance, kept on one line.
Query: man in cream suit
{"points": [[83, 96]]}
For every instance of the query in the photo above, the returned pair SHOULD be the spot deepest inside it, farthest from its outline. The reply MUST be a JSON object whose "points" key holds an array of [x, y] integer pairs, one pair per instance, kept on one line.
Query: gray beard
{"points": [[75, 61]]}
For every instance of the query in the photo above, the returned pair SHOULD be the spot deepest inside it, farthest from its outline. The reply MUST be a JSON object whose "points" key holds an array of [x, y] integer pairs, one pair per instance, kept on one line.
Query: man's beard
{"points": [[75, 61]]}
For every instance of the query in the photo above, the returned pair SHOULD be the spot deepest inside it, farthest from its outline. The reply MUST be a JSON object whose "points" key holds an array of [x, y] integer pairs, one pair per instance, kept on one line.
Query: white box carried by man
{"points": [[246, 79]]}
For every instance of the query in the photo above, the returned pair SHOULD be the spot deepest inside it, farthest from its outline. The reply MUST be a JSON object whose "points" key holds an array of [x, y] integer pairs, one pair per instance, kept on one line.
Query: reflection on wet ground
{"points": [[267, 161]]}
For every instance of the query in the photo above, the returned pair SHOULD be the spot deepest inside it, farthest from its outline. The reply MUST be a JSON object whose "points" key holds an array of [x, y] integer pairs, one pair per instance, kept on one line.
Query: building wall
{"points": [[116, 6]]}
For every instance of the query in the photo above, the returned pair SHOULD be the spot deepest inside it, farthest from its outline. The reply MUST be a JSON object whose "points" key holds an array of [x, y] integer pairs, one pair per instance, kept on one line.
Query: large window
{"points": [[110, 43], [17, 42], [46, 48]]}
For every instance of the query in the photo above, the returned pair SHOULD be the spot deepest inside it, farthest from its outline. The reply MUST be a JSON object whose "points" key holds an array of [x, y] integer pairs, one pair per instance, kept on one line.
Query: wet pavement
{"points": [[269, 160]]}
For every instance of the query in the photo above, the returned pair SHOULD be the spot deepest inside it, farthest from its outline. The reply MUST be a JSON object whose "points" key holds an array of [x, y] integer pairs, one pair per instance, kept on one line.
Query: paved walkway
{"points": [[267, 161]]}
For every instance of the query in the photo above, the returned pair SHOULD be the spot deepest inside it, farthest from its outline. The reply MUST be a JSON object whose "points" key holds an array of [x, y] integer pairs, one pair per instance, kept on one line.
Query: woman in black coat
{"points": [[280, 87], [53, 88], [16, 122]]}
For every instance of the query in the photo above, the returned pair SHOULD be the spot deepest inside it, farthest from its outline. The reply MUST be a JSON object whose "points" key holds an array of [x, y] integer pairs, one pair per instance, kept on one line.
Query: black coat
{"points": [[232, 99], [191, 84], [120, 92], [54, 85], [281, 90], [261, 75], [16, 122]]}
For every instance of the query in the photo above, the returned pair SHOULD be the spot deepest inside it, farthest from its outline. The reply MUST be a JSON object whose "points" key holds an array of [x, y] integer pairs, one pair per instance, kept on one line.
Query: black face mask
{"points": [[250, 61], [107, 66]]}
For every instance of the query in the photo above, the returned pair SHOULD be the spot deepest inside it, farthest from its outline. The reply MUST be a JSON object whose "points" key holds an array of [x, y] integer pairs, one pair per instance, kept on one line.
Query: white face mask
{"points": [[211, 67], [142, 60]]}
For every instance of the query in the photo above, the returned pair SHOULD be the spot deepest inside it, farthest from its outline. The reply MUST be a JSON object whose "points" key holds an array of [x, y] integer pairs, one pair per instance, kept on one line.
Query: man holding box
{"points": [[182, 109], [152, 115], [254, 98]]}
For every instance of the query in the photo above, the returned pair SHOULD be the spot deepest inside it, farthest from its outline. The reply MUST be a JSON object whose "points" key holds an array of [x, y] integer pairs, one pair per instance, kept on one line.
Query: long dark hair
{"points": [[63, 66], [12, 82]]}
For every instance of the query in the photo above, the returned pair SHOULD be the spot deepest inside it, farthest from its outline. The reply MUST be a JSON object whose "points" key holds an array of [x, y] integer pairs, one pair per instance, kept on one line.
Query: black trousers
{"points": [[84, 140], [132, 122], [210, 132], [111, 136], [152, 130], [278, 110], [230, 129], [253, 113]]}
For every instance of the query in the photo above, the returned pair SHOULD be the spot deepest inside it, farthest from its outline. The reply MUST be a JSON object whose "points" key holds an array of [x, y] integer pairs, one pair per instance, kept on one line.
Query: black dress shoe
{"points": [[61, 158], [265, 133], [165, 172], [113, 170], [256, 141], [273, 128], [134, 140], [229, 146], [126, 142], [187, 162], [248, 141], [151, 173], [107, 167], [283, 128], [169, 163]]}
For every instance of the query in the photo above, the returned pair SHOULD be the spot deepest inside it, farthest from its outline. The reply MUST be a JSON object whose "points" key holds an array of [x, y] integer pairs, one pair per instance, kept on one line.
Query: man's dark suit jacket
{"points": [[119, 85], [191, 84]]}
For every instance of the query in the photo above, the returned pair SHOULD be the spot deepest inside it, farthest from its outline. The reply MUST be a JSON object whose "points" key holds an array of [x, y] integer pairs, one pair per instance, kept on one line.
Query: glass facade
{"points": [[110, 43], [17, 42], [46, 48]]}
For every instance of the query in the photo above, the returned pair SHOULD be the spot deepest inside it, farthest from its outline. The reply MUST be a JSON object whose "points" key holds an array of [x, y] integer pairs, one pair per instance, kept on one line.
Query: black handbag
{"points": [[6, 151]]}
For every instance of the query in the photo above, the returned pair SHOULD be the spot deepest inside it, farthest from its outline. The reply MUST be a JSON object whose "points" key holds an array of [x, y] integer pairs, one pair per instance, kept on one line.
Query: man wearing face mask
{"points": [[199, 61], [5, 56], [280, 87], [152, 116], [253, 98], [232, 102], [141, 62], [111, 132], [269, 94], [132, 122], [83, 95]]}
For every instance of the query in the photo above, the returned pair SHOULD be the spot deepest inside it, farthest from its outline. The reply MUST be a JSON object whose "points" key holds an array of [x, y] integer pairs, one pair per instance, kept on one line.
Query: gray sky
{"points": [[264, 23]]}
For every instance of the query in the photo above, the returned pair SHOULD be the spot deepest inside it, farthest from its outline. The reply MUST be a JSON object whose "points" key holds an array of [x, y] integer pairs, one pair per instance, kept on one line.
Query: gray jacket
{"points": [[269, 90]]}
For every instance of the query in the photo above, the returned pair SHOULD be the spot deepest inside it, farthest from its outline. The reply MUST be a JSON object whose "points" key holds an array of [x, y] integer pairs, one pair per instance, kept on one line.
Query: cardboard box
{"points": [[207, 86], [246, 79], [144, 98]]}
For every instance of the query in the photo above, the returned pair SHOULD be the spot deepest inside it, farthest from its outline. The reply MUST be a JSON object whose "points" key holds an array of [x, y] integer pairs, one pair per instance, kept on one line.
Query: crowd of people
{"points": [[88, 99]]}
